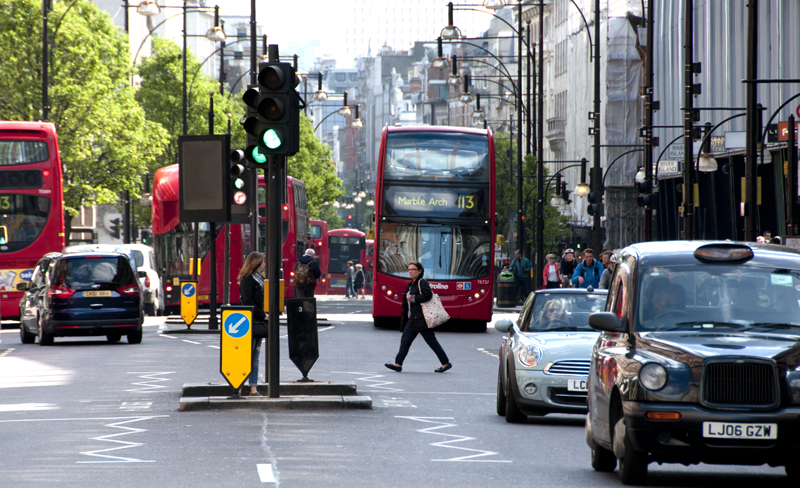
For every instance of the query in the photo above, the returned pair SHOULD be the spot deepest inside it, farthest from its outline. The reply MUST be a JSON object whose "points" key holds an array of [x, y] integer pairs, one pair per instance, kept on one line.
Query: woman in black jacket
{"points": [[412, 321], [251, 292]]}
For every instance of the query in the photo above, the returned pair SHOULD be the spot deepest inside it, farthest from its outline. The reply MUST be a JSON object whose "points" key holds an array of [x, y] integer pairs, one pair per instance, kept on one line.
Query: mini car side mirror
{"points": [[142, 274], [22, 286], [606, 321], [503, 325]]}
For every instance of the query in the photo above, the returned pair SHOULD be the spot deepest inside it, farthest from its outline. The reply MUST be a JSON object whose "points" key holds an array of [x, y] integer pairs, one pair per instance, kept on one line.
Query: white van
{"points": [[153, 291]]}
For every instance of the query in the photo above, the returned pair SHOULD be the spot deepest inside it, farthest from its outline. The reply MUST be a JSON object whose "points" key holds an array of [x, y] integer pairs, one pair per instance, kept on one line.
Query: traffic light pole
{"points": [[273, 217]]}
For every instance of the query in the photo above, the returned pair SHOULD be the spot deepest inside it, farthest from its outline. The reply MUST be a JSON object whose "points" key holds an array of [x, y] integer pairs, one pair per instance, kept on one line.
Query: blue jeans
{"points": [[348, 288], [252, 380]]}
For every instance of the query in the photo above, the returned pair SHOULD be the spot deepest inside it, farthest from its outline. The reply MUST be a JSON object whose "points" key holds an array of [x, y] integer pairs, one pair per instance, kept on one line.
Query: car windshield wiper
{"points": [[703, 323], [775, 325]]}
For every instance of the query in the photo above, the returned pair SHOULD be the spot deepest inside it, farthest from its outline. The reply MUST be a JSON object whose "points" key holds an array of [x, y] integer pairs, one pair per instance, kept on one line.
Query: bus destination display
{"points": [[414, 202]]}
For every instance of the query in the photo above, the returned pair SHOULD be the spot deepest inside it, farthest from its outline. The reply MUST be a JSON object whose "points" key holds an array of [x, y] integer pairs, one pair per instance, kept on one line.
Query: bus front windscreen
{"points": [[437, 157], [447, 252]]}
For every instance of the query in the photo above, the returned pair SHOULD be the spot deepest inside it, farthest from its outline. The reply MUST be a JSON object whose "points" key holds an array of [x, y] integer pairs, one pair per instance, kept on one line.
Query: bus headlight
{"points": [[477, 295], [383, 288], [483, 292]]}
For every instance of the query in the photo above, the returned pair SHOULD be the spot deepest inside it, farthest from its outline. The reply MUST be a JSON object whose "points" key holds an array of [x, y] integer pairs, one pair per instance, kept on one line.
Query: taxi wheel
{"points": [[501, 395], [513, 414], [135, 337], [24, 336], [632, 464], [44, 338]]}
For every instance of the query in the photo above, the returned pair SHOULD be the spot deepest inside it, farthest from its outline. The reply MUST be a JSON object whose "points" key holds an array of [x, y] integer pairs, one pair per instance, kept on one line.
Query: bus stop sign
{"points": [[189, 302], [236, 344]]}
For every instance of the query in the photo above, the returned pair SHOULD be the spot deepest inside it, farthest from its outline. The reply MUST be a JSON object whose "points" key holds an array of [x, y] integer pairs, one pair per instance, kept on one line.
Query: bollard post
{"points": [[301, 319]]}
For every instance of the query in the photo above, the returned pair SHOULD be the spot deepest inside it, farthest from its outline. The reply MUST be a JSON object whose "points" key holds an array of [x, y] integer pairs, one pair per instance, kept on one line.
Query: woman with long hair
{"points": [[251, 292], [412, 320]]}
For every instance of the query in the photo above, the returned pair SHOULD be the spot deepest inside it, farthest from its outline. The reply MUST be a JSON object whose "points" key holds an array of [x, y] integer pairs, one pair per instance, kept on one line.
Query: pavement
{"points": [[317, 395]]}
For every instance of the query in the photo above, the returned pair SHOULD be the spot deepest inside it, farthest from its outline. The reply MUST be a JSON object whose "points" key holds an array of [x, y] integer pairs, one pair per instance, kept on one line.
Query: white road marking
{"points": [[373, 380], [441, 423], [25, 407], [215, 347], [16, 372], [152, 378], [124, 444], [265, 473], [168, 336], [190, 342], [134, 406], [490, 353], [394, 402]]}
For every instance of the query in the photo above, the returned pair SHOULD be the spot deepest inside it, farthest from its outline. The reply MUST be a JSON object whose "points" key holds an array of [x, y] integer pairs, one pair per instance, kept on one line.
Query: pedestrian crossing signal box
{"points": [[236, 344], [188, 302]]}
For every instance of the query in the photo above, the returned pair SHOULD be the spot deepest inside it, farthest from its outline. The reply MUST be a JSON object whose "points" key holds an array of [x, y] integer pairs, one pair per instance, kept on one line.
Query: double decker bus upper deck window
{"points": [[22, 152], [437, 156]]}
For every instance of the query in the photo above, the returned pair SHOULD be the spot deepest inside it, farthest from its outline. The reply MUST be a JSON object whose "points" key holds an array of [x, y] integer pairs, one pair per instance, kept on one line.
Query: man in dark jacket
{"points": [[306, 290]]}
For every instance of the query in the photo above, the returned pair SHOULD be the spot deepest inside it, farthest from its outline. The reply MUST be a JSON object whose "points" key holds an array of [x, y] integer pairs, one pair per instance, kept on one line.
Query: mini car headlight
{"points": [[529, 355], [653, 376]]}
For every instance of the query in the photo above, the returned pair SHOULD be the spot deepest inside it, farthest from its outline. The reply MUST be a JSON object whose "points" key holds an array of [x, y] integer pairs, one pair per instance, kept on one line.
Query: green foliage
{"points": [[314, 165], [105, 141]]}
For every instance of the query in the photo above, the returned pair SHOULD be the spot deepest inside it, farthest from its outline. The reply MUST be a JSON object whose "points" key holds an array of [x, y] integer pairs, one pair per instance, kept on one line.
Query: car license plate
{"points": [[101, 293], [727, 430], [577, 385]]}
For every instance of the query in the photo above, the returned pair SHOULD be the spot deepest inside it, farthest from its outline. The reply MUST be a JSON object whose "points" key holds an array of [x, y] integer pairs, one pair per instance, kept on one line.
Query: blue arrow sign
{"points": [[188, 290], [236, 325]]}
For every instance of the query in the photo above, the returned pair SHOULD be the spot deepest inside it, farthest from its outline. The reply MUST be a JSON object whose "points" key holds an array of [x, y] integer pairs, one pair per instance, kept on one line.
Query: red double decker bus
{"points": [[173, 239], [318, 236], [345, 245], [31, 205], [435, 204]]}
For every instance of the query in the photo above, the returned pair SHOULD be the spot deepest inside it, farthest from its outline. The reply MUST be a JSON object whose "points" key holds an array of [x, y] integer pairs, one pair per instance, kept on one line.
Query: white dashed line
{"points": [[167, 336], [214, 347], [265, 473], [190, 342], [490, 353]]}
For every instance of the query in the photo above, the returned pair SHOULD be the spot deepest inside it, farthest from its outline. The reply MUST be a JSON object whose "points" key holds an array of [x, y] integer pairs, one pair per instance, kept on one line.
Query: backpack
{"points": [[303, 277]]}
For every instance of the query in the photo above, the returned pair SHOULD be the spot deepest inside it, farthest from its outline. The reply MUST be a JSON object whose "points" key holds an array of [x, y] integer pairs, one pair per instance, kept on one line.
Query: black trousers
{"points": [[409, 334], [305, 292]]}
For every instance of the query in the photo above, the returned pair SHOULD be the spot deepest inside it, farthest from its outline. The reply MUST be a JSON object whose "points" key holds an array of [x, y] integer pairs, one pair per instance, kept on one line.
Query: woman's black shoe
{"points": [[443, 368], [393, 367]]}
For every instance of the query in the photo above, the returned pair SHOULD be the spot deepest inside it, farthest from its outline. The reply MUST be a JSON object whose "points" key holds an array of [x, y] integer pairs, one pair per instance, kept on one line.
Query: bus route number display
{"points": [[438, 202]]}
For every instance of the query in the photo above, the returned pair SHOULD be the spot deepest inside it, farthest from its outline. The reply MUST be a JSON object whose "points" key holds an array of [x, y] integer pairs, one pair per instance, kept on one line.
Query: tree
{"points": [[106, 143]]}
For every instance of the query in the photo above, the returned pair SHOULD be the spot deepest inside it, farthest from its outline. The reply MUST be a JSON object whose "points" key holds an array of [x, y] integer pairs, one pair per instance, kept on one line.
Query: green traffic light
{"points": [[257, 156], [238, 183], [272, 139]]}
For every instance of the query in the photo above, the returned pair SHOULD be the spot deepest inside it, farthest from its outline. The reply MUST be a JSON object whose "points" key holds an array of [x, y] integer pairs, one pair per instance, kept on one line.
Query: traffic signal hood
{"points": [[251, 124], [595, 206]]}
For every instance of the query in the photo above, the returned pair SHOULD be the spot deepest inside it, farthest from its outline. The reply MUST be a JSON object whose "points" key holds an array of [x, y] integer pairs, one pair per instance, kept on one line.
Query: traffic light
{"points": [[650, 200], [240, 186], [146, 237], [278, 109], [595, 206], [251, 124], [644, 190]]}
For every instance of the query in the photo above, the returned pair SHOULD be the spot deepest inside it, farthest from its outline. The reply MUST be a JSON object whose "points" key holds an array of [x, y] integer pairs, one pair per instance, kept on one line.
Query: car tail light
{"points": [[147, 282], [291, 273], [128, 290], [60, 291]]}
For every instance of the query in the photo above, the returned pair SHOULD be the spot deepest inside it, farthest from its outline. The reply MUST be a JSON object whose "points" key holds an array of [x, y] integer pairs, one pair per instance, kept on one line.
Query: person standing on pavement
{"points": [[412, 320], [607, 260], [358, 282], [588, 272], [551, 274], [567, 268], [521, 267], [306, 274], [349, 292], [251, 292]]}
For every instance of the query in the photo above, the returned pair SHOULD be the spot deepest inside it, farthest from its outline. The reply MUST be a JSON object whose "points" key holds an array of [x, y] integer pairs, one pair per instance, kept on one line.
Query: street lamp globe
{"points": [[440, 63], [707, 164], [320, 96], [216, 34], [336, 204], [357, 199], [494, 4], [370, 202], [557, 201], [466, 98], [581, 189], [362, 194], [478, 116], [345, 111], [640, 176], [454, 80], [451, 32], [357, 124], [148, 8]]}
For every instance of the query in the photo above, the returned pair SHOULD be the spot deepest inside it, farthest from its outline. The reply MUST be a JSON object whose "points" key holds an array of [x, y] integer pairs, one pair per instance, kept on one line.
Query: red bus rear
{"points": [[173, 240], [345, 245], [31, 205], [434, 204], [318, 233]]}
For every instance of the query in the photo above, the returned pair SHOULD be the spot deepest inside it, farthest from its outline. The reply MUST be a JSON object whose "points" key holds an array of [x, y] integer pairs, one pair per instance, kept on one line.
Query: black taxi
{"points": [[698, 359]]}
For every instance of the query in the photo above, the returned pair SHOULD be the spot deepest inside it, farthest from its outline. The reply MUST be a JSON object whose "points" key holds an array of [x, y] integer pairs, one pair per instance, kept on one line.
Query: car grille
{"points": [[566, 397], [571, 367], [740, 384]]}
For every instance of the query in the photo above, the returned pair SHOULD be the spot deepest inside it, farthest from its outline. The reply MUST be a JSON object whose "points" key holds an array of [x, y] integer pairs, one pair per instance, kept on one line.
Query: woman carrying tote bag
{"points": [[412, 320], [251, 292]]}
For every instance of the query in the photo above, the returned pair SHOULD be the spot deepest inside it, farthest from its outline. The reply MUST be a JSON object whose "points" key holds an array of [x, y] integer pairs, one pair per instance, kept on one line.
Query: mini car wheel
{"points": [[44, 338], [513, 414], [135, 337], [114, 337], [501, 396], [24, 336], [632, 464]]}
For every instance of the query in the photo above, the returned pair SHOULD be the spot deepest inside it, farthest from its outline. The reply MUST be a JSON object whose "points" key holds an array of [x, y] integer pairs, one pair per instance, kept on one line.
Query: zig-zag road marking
{"points": [[441, 424], [371, 377], [125, 444], [150, 377]]}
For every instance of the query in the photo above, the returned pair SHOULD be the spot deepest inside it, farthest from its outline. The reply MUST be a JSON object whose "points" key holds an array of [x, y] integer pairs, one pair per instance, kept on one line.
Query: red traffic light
{"points": [[349, 217]]}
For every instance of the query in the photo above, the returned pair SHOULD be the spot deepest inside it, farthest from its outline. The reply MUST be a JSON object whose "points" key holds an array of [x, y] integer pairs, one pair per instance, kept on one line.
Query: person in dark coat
{"points": [[412, 320], [251, 292], [313, 265]]}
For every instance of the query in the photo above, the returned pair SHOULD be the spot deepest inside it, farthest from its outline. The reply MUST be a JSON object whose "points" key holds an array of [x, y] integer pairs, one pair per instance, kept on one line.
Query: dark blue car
{"points": [[82, 294]]}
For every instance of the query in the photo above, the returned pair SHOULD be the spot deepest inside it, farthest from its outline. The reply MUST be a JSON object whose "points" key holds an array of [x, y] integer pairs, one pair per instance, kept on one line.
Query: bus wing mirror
{"points": [[22, 286]]}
